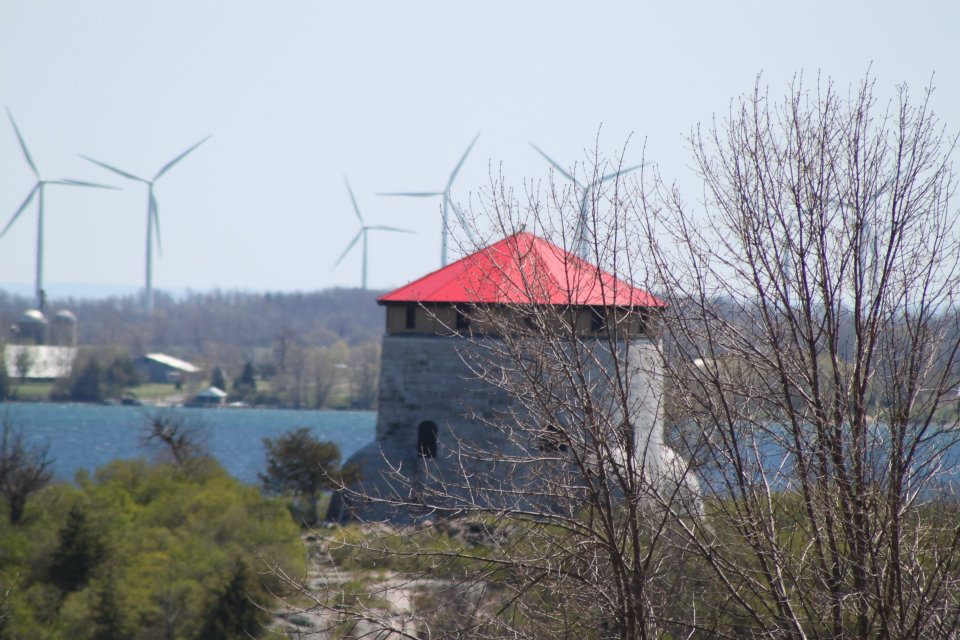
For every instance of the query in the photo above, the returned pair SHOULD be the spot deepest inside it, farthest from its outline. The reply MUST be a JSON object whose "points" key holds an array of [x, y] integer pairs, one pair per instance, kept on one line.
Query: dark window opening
{"points": [[644, 314], [552, 440], [411, 316], [598, 319], [427, 440], [463, 320]]}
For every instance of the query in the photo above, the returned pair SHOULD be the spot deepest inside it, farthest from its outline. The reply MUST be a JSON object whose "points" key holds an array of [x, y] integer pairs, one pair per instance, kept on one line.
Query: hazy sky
{"points": [[296, 94]]}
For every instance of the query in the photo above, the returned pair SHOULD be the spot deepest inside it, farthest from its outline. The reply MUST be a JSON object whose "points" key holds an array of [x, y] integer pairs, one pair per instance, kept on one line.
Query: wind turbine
{"points": [[869, 234], [37, 191], [364, 229], [447, 204], [153, 213], [582, 231]]}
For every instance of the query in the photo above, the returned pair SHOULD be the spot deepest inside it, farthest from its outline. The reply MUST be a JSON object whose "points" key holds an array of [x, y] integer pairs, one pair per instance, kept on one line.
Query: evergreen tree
{"points": [[246, 377], [299, 463], [78, 553], [108, 620], [233, 615], [217, 379], [246, 384]]}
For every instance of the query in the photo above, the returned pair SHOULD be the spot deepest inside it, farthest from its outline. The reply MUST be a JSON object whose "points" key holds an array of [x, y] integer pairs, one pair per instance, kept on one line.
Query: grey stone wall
{"points": [[428, 378]]}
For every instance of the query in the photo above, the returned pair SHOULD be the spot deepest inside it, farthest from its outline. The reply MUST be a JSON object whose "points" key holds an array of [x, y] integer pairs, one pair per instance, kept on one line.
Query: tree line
{"points": [[218, 325], [316, 350]]}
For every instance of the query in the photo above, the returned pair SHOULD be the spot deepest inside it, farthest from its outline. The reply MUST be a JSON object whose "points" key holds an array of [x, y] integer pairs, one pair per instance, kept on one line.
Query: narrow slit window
{"points": [[411, 316], [463, 320], [644, 317], [598, 319], [427, 440]]}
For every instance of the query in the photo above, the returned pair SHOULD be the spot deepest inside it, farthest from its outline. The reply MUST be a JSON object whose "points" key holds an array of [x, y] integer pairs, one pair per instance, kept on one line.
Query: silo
{"points": [[63, 330], [32, 327]]}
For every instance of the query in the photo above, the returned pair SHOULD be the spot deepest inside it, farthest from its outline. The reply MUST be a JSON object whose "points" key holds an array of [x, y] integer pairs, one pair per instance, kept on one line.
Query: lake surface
{"points": [[83, 436]]}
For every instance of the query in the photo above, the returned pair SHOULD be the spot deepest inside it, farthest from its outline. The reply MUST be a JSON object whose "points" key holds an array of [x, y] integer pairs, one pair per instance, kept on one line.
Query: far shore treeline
{"points": [[305, 350]]}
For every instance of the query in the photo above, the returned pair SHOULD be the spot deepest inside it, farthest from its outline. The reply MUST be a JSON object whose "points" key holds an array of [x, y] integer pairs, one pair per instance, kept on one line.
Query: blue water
{"points": [[88, 436]]}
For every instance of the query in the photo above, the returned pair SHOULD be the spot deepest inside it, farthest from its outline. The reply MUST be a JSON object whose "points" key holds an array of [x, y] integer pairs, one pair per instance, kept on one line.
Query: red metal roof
{"points": [[522, 269]]}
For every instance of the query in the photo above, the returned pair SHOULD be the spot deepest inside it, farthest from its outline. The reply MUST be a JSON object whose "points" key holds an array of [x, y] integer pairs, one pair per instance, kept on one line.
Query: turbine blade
{"points": [[70, 182], [154, 214], [353, 199], [456, 170], [580, 233], [412, 194], [620, 172], [23, 145], [381, 227], [180, 157], [347, 250], [555, 165], [463, 222], [20, 210], [121, 172]]}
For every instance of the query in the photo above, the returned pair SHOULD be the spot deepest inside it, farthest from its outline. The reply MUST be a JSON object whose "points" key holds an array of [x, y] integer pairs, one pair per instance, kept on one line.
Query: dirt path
{"points": [[378, 605]]}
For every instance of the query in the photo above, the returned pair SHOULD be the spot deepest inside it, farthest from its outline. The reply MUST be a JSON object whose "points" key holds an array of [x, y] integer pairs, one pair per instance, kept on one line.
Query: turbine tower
{"points": [[153, 214], [37, 191], [581, 235], [364, 229], [447, 204], [870, 241]]}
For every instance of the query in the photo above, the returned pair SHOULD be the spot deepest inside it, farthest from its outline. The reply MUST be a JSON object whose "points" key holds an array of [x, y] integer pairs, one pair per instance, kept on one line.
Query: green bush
{"points": [[142, 550], [88, 385]]}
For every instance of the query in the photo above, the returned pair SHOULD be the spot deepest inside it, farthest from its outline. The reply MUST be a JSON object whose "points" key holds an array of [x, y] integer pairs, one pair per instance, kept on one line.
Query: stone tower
{"points": [[432, 404]]}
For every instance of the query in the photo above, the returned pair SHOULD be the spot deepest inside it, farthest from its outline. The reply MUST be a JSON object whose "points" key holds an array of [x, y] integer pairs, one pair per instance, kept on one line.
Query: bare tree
{"points": [[24, 469], [813, 323], [325, 367], [180, 439], [284, 340], [363, 375], [23, 363], [547, 478], [799, 372], [5, 387]]}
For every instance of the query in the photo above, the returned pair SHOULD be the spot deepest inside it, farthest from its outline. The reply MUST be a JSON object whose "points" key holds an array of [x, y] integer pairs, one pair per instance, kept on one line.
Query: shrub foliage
{"points": [[143, 550]]}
